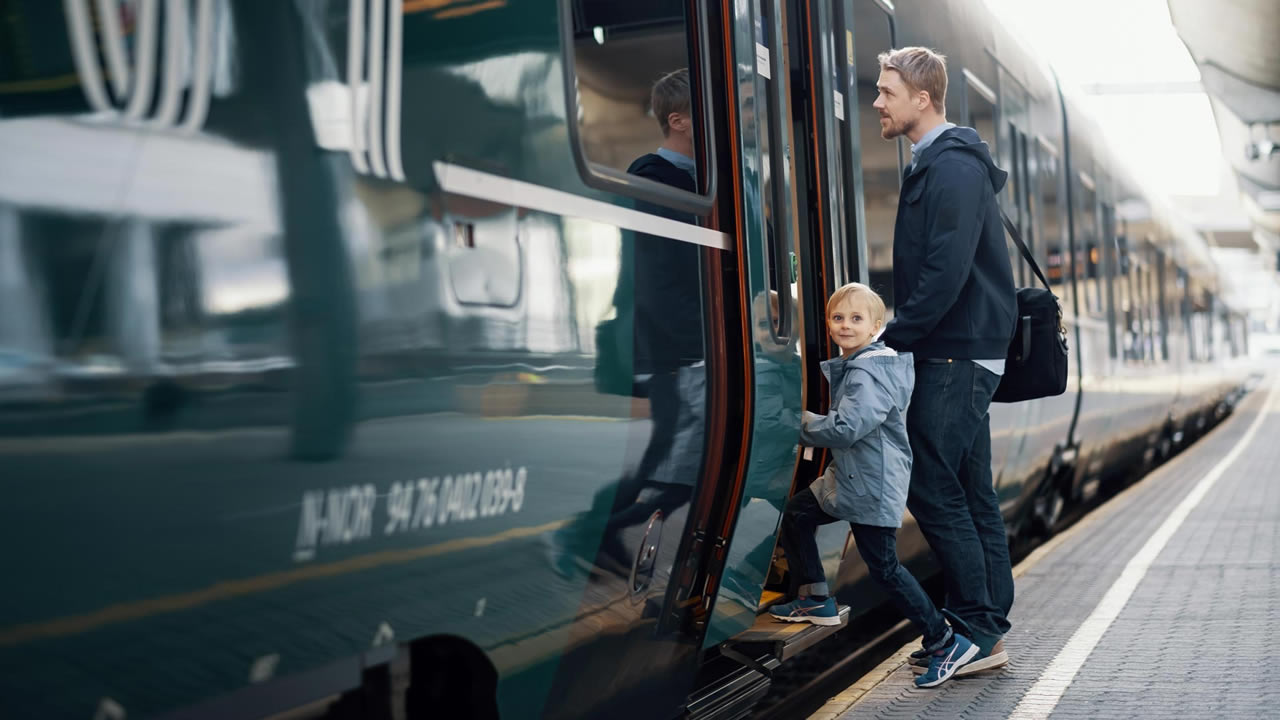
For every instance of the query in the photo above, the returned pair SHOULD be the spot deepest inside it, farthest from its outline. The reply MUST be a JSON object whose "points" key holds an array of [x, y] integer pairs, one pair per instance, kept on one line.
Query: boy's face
{"points": [[851, 326]]}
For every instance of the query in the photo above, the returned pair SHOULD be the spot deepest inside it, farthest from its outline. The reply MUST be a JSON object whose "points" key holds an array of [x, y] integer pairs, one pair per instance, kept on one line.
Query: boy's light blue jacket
{"points": [[866, 430]]}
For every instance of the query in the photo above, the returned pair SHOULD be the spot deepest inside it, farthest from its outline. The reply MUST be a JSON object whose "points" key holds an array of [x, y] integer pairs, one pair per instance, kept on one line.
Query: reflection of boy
{"points": [[867, 481]]}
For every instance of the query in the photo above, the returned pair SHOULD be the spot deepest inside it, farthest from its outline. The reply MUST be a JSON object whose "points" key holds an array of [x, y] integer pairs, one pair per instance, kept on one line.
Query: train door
{"points": [[808, 128], [800, 179]]}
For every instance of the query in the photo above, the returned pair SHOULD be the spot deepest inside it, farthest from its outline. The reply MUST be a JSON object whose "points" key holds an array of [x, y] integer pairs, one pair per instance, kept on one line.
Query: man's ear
{"points": [[678, 121], [923, 100]]}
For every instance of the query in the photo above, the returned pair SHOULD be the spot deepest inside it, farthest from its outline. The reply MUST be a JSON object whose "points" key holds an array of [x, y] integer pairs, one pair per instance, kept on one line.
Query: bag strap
{"points": [[1026, 254]]}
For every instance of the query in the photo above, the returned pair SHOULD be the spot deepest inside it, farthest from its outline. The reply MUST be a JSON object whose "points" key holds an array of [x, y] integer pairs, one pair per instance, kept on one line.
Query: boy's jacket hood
{"points": [[893, 370]]}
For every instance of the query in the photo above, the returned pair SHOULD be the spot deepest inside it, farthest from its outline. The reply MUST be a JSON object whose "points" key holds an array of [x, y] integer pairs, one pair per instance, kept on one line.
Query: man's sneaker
{"points": [[944, 663], [997, 658], [818, 612]]}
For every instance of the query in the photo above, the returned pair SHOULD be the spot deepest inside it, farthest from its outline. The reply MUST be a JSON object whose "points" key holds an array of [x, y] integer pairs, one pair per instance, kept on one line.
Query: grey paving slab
{"points": [[1192, 639]]}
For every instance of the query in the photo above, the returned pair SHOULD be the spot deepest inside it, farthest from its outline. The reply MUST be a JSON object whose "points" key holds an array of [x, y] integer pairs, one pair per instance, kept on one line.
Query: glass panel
{"points": [[1053, 246], [620, 51], [1110, 274], [881, 159], [1089, 262], [772, 184], [982, 116]]}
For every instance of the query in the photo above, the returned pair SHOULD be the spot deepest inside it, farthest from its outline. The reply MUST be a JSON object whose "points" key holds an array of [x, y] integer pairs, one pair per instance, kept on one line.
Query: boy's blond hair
{"points": [[854, 292]]}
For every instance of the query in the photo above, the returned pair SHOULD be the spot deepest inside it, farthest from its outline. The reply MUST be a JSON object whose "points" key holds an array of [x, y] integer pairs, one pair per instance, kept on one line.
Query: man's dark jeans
{"points": [[878, 547], [952, 496]]}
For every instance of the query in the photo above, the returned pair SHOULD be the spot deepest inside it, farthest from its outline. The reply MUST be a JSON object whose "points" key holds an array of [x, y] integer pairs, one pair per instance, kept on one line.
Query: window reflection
{"points": [[881, 162], [620, 50]]}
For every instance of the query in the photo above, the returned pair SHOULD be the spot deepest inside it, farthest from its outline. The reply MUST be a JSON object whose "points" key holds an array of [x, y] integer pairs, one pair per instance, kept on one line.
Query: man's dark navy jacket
{"points": [[660, 280], [953, 290]]}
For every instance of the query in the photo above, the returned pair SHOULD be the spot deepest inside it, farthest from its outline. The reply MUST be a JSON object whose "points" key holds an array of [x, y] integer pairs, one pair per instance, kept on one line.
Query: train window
{"points": [[1089, 263], [1149, 305], [980, 114], [881, 160], [1110, 271], [617, 53], [1048, 216], [1162, 302], [1013, 151], [980, 110], [776, 163]]}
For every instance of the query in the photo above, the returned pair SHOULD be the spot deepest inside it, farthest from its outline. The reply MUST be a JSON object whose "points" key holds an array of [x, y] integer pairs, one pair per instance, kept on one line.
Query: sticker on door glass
{"points": [[839, 98], [762, 61]]}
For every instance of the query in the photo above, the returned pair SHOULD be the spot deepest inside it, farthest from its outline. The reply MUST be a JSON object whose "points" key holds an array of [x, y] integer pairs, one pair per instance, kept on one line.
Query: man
{"points": [[955, 309]]}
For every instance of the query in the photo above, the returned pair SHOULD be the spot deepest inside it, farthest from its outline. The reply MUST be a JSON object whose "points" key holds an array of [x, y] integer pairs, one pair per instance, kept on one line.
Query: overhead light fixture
{"points": [[1260, 149], [598, 33]]}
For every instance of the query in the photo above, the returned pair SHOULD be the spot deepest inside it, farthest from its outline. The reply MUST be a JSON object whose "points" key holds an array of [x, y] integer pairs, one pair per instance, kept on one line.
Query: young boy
{"points": [[866, 482]]}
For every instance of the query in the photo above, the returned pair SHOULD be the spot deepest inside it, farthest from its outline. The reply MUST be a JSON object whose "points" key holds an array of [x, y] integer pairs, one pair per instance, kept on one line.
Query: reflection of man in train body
{"points": [[659, 284], [955, 308], [667, 302]]}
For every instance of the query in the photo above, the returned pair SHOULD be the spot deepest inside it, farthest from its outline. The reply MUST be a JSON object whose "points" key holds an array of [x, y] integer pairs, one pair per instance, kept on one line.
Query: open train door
{"points": [[801, 175]]}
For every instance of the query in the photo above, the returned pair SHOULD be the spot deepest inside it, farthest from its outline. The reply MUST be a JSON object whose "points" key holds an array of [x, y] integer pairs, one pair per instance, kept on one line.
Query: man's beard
{"points": [[894, 130]]}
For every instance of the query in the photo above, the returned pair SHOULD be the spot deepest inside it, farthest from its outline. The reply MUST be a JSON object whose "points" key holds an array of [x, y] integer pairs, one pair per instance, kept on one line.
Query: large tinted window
{"points": [[881, 159], [620, 50], [1053, 248], [1089, 260], [980, 104]]}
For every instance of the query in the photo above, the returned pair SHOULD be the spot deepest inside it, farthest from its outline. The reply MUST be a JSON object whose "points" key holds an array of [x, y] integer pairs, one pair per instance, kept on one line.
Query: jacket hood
{"points": [[650, 163], [964, 139], [893, 370]]}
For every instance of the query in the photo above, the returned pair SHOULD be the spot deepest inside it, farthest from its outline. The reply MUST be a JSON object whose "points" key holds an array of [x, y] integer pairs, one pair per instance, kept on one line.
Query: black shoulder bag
{"points": [[1036, 366]]}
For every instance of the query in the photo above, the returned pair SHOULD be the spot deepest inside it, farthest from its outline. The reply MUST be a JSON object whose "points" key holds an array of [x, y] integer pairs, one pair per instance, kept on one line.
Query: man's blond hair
{"points": [[670, 95], [921, 69], [854, 292]]}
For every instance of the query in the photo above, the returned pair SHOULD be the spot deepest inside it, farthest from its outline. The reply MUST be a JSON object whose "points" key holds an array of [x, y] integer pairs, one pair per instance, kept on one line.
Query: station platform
{"points": [[1163, 602]]}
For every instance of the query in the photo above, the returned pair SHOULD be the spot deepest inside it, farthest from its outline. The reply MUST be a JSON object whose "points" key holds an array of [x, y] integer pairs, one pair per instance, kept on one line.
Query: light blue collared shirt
{"points": [[995, 365], [680, 160], [918, 149]]}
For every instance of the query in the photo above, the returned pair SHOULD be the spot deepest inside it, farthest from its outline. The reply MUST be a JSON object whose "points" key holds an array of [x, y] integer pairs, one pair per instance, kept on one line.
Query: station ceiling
{"points": [[1234, 43]]}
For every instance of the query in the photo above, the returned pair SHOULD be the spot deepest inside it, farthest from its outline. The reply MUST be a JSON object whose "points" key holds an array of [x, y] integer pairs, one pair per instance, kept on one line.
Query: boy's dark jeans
{"points": [[878, 547], [952, 497]]}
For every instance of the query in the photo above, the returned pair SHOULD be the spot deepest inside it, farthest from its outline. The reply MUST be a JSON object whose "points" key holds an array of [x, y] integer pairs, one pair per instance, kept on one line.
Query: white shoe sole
{"points": [[826, 621], [998, 660]]}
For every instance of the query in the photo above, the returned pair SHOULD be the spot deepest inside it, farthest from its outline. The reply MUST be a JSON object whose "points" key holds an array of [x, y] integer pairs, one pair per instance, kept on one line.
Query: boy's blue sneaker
{"points": [[944, 663], [818, 612]]}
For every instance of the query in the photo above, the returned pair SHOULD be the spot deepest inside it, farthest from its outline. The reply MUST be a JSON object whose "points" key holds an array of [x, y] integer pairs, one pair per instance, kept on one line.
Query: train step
{"points": [[783, 639]]}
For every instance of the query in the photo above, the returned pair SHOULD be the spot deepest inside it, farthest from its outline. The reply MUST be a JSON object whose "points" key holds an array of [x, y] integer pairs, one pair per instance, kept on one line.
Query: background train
{"points": [[336, 342]]}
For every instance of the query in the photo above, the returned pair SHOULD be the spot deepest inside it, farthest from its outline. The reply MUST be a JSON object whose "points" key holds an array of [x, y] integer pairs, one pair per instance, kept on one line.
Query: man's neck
{"points": [[922, 128], [679, 144]]}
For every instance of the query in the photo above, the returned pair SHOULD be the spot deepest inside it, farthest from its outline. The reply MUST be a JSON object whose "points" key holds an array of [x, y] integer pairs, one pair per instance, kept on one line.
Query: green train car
{"points": [[346, 372]]}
